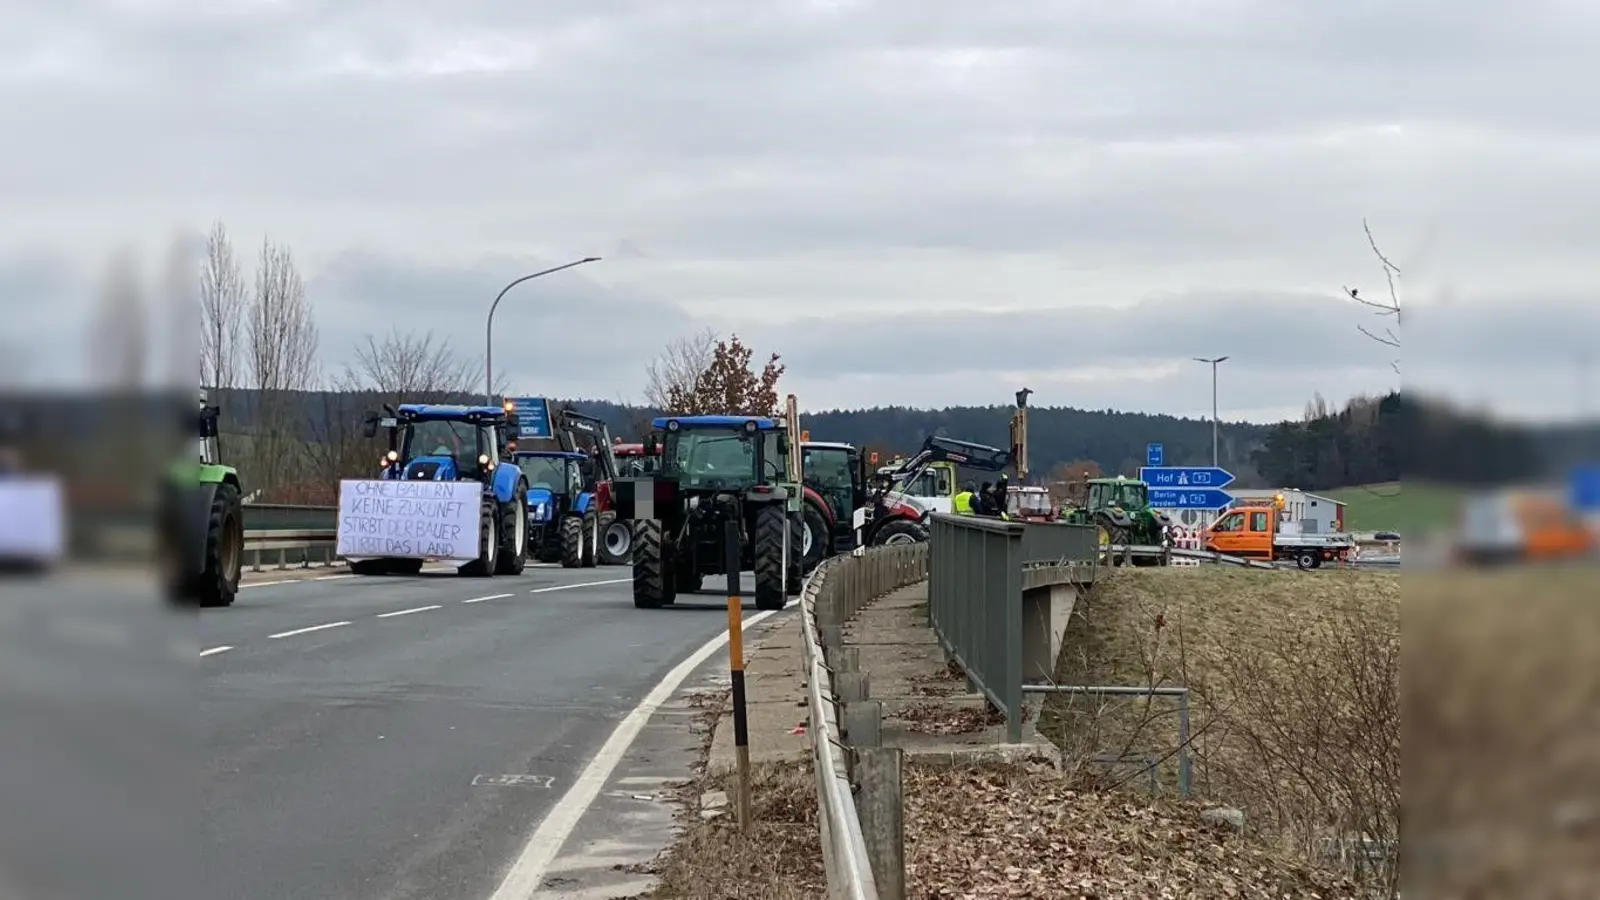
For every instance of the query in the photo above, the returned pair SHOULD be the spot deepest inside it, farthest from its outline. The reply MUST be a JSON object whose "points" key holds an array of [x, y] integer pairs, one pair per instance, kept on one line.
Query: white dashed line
{"points": [[255, 584], [407, 612], [490, 597], [331, 577], [284, 634], [568, 587], [214, 651]]}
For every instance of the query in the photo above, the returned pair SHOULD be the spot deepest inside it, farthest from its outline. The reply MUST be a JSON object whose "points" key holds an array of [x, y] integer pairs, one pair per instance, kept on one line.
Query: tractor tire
{"points": [[652, 586], [900, 531], [218, 582], [405, 567], [572, 542], [370, 567], [591, 539], [616, 540], [797, 560], [514, 534], [768, 556], [816, 538], [488, 543]]}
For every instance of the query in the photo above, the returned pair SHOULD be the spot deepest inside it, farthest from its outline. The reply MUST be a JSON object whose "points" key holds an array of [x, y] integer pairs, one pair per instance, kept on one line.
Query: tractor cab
{"points": [[837, 475], [721, 453], [438, 442], [1118, 493], [560, 487]]}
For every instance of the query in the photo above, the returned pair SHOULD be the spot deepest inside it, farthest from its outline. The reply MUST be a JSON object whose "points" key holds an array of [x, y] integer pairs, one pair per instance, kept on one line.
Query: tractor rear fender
{"points": [[813, 497], [582, 505], [1119, 518], [775, 493]]}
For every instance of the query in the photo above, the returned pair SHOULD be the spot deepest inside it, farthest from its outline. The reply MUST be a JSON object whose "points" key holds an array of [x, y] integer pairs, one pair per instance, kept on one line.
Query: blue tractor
{"points": [[438, 442], [563, 516]]}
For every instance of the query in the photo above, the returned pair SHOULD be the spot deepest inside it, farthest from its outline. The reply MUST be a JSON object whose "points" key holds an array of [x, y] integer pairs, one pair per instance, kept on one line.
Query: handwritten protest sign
{"points": [[32, 518], [409, 519]]}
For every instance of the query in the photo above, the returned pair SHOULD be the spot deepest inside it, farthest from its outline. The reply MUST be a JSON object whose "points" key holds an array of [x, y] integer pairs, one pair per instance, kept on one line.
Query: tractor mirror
{"points": [[370, 427]]}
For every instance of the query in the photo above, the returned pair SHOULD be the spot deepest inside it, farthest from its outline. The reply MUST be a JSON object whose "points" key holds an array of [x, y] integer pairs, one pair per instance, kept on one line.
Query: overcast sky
{"points": [[923, 203]]}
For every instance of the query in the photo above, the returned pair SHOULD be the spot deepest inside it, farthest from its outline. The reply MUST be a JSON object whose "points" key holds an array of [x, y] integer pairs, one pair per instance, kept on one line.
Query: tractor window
{"points": [[1131, 495], [828, 469], [773, 462], [457, 440], [708, 458], [1099, 495], [944, 483], [1029, 503], [544, 472]]}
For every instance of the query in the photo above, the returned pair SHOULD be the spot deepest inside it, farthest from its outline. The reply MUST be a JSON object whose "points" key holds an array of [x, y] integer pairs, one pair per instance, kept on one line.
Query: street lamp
{"points": [[1213, 362], [488, 337]]}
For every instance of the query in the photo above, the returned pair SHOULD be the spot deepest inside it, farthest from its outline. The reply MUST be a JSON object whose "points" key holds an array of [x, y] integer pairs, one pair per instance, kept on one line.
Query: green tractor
{"points": [[1120, 508], [715, 470], [201, 522]]}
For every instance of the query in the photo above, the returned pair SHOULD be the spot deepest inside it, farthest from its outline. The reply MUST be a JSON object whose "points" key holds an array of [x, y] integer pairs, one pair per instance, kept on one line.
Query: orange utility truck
{"points": [[1512, 525], [1261, 529]]}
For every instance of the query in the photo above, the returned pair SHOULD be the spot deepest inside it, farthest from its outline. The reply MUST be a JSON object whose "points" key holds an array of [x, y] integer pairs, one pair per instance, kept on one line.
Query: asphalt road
{"points": [[360, 738]]}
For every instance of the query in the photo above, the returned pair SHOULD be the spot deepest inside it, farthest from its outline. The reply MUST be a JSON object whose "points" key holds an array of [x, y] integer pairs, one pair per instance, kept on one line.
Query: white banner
{"points": [[409, 519], [32, 518]]}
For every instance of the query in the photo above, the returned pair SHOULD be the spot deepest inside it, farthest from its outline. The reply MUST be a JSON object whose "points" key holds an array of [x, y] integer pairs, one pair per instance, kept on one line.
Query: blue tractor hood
{"points": [[541, 504], [431, 468]]}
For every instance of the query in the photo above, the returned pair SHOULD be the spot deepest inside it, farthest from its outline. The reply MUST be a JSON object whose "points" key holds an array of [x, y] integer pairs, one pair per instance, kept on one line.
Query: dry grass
{"points": [[1295, 694], [1502, 733], [1000, 831]]}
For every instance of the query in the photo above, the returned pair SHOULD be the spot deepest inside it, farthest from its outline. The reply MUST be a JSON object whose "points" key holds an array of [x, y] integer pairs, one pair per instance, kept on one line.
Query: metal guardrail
{"points": [[975, 583], [289, 547], [838, 589], [286, 517]]}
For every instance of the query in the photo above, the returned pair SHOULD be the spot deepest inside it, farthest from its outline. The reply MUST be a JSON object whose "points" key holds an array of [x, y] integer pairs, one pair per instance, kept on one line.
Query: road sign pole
{"points": [[741, 724]]}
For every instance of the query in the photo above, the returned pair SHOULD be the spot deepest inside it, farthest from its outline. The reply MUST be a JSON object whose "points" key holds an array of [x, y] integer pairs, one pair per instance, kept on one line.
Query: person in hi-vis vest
{"points": [[963, 501]]}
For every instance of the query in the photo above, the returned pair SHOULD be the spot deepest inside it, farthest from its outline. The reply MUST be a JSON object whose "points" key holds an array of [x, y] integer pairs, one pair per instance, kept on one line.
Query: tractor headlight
{"points": [[536, 512], [483, 460], [393, 456]]}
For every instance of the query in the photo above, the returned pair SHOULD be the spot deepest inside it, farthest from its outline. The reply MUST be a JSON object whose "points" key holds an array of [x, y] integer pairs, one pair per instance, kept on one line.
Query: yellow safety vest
{"points": [[963, 503]]}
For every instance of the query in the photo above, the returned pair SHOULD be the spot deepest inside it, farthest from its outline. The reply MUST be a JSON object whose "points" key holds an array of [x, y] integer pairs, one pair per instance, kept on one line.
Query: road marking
{"points": [[490, 597], [543, 781], [331, 577], [533, 863], [214, 651], [266, 583], [407, 612], [568, 587], [284, 634]]}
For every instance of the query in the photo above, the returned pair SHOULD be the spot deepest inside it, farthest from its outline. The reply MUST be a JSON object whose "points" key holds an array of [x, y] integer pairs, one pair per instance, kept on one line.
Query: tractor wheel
{"points": [[514, 534], [900, 531], [571, 542], [616, 540], [816, 539], [591, 539], [797, 558], [224, 560], [371, 566], [768, 555], [405, 566], [651, 587], [488, 543]]}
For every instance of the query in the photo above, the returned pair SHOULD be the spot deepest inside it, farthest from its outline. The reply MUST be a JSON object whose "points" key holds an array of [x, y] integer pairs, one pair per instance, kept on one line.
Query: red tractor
{"points": [[616, 538]]}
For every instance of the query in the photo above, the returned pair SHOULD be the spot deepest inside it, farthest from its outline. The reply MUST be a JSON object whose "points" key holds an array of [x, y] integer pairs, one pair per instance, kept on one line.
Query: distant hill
{"points": [[1113, 440]]}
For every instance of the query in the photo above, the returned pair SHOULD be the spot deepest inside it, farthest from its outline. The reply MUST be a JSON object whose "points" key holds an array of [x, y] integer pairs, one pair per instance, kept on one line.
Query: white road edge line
{"points": [[284, 634], [214, 651], [407, 612], [266, 583], [490, 597], [331, 577], [533, 863], [568, 587]]}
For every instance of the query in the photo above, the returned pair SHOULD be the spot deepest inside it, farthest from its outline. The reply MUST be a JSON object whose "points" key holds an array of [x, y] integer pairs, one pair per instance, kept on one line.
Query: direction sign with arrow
{"points": [[1194, 498], [1185, 476]]}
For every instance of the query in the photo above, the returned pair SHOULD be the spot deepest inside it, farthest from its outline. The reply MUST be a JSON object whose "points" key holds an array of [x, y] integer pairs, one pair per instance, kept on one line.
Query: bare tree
{"points": [[1384, 307], [222, 311], [409, 365], [679, 367], [281, 346]]}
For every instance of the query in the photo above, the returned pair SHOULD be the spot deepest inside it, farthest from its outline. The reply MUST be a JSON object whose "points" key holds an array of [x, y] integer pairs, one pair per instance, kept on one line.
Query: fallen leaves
{"points": [[936, 718]]}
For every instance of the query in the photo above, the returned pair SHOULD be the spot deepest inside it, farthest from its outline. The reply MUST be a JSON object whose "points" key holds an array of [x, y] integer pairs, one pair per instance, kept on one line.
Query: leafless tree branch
{"points": [[1386, 307], [222, 311], [405, 365], [678, 367], [281, 344]]}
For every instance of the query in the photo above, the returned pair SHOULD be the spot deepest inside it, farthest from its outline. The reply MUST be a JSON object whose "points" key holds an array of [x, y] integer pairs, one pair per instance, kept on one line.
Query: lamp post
{"points": [[488, 337], [1213, 362]]}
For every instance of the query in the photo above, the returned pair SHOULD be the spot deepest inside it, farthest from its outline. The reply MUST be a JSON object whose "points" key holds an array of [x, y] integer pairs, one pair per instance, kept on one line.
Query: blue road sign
{"points": [[1155, 455], [1185, 477], [1585, 488], [533, 417], [1195, 498]]}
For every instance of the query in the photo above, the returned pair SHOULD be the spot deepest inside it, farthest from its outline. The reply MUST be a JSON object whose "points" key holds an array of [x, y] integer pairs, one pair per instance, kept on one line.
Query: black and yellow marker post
{"points": [[741, 725]]}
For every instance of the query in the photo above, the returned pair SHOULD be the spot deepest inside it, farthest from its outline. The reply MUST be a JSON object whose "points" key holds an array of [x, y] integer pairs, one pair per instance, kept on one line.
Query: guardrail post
{"points": [[882, 813], [282, 553], [1011, 603]]}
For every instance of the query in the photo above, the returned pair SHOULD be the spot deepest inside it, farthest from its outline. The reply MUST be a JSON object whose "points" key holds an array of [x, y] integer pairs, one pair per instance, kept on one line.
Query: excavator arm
{"points": [[936, 449], [569, 423]]}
